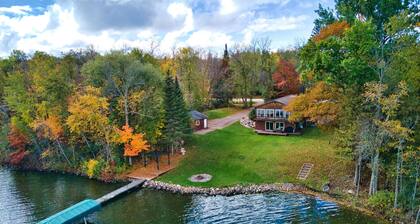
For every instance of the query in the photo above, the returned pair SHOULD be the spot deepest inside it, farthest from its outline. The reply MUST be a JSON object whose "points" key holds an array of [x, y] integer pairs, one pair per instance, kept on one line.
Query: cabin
{"points": [[272, 119], [199, 120]]}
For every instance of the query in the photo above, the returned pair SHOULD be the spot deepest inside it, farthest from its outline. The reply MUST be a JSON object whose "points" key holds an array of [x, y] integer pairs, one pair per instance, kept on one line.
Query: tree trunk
{"points": [[418, 216], [62, 151], [144, 159], [398, 176], [130, 161], [413, 197], [157, 160], [357, 174], [169, 157], [126, 106], [373, 188]]}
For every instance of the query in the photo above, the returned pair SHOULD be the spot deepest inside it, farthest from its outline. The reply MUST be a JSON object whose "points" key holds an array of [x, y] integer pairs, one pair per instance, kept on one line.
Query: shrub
{"points": [[93, 168], [252, 114], [382, 200]]}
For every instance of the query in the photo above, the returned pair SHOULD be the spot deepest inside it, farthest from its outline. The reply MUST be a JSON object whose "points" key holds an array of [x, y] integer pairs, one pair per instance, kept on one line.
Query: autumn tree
{"points": [[119, 75], [286, 79], [89, 118], [18, 140], [319, 105], [133, 143], [336, 29]]}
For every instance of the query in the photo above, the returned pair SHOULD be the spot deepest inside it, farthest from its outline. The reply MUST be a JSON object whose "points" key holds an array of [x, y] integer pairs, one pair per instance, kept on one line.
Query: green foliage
{"points": [[381, 201]]}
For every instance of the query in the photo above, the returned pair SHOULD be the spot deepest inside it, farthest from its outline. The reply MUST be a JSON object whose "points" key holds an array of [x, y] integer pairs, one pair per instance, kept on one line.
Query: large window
{"points": [[269, 126], [279, 126]]}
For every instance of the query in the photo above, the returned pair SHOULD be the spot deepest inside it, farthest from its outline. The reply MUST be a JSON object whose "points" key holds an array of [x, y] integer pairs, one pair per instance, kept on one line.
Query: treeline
{"points": [[86, 112], [361, 71]]}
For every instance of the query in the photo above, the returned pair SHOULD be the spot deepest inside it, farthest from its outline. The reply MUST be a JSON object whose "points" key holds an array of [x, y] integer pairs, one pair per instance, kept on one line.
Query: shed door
{"points": [[205, 123]]}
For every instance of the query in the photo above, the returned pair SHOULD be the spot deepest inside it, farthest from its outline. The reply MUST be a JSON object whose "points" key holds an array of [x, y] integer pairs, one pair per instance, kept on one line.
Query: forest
{"points": [[357, 76]]}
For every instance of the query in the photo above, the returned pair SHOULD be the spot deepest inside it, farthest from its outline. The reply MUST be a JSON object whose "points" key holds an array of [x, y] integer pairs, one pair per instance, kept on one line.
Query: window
{"points": [[269, 126], [280, 126], [281, 114], [270, 113], [278, 113], [260, 112], [287, 114]]}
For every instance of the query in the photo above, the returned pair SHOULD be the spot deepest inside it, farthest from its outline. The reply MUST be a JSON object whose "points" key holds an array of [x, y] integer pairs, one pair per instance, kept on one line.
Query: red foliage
{"points": [[286, 79], [17, 157], [334, 29], [17, 140]]}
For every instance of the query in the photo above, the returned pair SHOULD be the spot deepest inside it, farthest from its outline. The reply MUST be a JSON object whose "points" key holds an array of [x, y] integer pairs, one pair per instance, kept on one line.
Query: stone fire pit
{"points": [[204, 177]]}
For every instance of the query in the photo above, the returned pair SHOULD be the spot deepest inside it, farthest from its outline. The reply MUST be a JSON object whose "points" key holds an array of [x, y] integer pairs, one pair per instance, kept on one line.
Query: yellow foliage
{"points": [[88, 113], [319, 104], [90, 167], [49, 128], [168, 64]]}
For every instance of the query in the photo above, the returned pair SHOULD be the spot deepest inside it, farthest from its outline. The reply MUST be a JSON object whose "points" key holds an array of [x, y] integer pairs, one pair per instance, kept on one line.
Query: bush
{"points": [[93, 168], [382, 201], [252, 114]]}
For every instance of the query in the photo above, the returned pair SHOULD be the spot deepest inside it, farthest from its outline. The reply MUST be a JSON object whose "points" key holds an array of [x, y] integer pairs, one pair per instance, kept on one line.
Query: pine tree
{"points": [[176, 119]]}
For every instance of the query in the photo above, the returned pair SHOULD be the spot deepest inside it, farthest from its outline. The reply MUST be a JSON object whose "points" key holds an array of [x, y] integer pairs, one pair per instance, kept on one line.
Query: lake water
{"points": [[28, 197]]}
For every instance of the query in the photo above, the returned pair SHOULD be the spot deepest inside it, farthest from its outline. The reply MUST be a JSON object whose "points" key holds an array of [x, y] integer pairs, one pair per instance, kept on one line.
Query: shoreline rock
{"points": [[225, 191]]}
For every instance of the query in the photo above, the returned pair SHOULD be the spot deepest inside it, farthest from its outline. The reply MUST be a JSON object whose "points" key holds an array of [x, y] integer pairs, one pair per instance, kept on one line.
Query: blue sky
{"points": [[57, 26]]}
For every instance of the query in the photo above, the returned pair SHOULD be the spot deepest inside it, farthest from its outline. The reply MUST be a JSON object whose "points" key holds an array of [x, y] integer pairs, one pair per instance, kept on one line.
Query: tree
{"points": [[334, 29], [133, 143], [222, 83], [89, 118], [319, 104], [17, 140], [177, 123], [286, 79], [325, 17], [51, 129], [193, 82], [119, 74]]}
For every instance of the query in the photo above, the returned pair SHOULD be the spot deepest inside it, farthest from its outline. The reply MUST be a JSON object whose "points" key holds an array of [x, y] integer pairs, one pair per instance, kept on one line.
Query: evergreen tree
{"points": [[222, 87], [176, 117]]}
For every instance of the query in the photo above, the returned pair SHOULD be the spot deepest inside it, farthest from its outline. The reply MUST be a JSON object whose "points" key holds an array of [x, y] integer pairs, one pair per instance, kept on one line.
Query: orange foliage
{"points": [[286, 79], [17, 140], [320, 105], [334, 29], [49, 128], [133, 143]]}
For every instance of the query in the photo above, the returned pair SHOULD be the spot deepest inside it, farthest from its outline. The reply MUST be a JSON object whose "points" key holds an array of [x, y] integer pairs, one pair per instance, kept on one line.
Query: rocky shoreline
{"points": [[226, 191]]}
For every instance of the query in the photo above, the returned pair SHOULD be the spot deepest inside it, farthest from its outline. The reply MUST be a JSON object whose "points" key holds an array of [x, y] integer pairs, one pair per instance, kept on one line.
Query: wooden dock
{"points": [[122, 190]]}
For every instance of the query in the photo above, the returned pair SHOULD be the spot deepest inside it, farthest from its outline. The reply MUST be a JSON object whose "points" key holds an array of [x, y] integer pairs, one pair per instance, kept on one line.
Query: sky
{"points": [[56, 26]]}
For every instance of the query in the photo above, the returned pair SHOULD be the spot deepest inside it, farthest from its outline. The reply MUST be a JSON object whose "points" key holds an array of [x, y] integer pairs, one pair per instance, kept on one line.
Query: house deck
{"points": [[260, 132]]}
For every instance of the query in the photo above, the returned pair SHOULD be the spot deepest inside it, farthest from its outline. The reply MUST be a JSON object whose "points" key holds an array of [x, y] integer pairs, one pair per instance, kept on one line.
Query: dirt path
{"points": [[220, 123]]}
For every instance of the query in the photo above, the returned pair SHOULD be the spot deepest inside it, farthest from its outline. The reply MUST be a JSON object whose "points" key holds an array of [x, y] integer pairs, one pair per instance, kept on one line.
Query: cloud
{"points": [[275, 24], [16, 9], [114, 24], [227, 7], [208, 39]]}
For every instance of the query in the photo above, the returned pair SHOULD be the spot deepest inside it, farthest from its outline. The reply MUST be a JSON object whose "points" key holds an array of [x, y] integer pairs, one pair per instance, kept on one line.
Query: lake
{"points": [[28, 197]]}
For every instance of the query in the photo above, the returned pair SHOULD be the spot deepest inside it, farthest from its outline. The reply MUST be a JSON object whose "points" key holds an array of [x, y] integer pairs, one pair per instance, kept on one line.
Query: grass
{"points": [[236, 155], [221, 112]]}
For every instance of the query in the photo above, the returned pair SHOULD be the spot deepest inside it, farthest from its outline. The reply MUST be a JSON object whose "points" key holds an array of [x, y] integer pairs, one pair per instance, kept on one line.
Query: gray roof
{"points": [[285, 99], [195, 115]]}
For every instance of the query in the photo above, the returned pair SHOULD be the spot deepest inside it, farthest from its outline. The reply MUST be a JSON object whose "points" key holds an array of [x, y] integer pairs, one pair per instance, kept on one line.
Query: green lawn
{"points": [[236, 155], [221, 112]]}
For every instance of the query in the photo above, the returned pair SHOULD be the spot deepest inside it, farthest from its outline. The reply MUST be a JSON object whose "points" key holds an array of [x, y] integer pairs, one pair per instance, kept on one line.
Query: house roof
{"points": [[283, 100], [195, 115]]}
